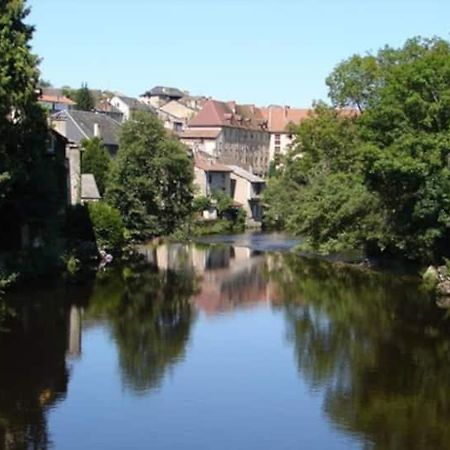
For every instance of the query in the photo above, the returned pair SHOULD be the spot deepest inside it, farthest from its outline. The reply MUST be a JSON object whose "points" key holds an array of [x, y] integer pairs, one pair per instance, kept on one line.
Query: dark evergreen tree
{"points": [[84, 99]]}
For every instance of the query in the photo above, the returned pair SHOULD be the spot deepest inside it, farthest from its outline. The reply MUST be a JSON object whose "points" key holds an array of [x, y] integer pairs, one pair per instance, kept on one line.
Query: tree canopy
{"points": [[378, 178], [151, 178], [84, 99], [26, 191], [96, 160]]}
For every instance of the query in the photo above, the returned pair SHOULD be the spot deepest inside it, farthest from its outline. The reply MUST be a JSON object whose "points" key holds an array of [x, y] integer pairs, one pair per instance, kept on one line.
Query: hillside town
{"points": [[232, 146]]}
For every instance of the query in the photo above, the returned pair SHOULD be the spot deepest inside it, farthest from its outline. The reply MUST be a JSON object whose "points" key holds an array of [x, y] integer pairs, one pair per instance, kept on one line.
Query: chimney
{"points": [[97, 130], [286, 111]]}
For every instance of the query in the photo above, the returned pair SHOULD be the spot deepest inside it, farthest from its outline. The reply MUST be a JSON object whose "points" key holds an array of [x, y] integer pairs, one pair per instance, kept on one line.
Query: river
{"points": [[229, 343]]}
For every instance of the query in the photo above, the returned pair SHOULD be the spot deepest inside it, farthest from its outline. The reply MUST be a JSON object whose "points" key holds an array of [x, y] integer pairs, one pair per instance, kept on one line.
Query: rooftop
{"points": [[164, 91], [89, 189], [211, 166], [199, 134], [85, 120], [279, 117], [56, 99], [135, 104], [220, 114], [240, 172]]}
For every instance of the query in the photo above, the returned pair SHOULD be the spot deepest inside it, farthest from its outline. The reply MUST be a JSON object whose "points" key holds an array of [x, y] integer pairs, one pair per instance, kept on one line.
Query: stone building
{"points": [[232, 133], [128, 105], [279, 118]]}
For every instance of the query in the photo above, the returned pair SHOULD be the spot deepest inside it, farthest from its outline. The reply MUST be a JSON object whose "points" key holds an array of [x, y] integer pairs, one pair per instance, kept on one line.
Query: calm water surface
{"points": [[231, 343]]}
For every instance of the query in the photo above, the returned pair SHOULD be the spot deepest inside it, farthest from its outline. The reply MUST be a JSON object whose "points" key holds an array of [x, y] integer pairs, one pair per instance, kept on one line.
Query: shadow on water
{"points": [[375, 345]]}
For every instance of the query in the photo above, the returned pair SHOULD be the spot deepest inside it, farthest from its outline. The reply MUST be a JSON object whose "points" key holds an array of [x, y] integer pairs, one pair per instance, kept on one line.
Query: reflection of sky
{"points": [[238, 388]]}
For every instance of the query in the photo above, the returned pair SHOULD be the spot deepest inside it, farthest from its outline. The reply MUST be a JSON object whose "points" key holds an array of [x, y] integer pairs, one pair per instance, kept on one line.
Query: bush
{"points": [[108, 226], [200, 204]]}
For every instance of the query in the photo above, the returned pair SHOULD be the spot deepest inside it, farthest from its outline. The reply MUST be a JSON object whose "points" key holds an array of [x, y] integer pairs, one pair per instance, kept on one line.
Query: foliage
{"points": [[69, 92], [5, 282], [107, 225], [374, 345], [96, 160], [151, 179], [377, 179], [84, 98], [28, 177], [200, 204], [150, 318]]}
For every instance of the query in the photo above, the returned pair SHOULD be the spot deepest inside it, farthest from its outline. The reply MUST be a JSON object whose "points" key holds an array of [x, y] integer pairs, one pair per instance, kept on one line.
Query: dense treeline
{"points": [[147, 188], [372, 172]]}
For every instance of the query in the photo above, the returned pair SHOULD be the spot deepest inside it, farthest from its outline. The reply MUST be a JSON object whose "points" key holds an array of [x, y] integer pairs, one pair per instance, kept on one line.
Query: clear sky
{"points": [[251, 51]]}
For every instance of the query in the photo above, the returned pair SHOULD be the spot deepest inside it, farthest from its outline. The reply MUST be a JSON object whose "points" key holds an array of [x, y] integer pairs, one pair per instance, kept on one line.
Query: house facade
{"points": [[128, 105], [234, 134], [246, 189], [279, 119], [210, 177]]}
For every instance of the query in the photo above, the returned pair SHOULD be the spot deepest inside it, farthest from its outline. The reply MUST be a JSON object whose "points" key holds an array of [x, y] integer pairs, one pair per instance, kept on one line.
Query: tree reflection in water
{"points": [[149, 314], [377, 346], [33, 375]]}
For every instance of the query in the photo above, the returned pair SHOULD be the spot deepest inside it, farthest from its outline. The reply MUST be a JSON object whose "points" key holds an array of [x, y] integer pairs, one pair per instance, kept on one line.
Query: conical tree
{"points": [[84, 99]]}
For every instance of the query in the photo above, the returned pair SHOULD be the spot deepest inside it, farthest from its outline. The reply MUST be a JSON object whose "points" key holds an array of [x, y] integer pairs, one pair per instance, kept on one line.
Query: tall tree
{"points": [[379, 180], [96, 160], [84, 99], [23, 127], [151, 179]]}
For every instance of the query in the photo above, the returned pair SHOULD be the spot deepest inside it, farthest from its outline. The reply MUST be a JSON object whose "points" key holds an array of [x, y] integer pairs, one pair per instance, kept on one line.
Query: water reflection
{"points": [[376, 346], [228, 276], [33, 374], [149, 315]]}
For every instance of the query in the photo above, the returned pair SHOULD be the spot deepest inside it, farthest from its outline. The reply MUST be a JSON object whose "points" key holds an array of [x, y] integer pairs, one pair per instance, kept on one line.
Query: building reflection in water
{"points": [[229, 276], [34, 374]]}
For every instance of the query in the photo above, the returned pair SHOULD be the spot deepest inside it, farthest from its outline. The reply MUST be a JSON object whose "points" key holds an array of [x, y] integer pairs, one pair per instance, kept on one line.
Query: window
{"points": [[277, 139], [277, 149]]}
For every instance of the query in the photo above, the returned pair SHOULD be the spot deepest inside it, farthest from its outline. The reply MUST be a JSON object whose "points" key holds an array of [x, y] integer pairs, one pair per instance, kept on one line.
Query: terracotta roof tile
{"points": [[280, 117], [199, 134], [56, 99], [221, 114], [211, 166]]}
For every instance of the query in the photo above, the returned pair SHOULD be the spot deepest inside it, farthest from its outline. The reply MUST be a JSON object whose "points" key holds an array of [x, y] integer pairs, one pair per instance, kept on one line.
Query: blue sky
{"points": [[251, 51]]}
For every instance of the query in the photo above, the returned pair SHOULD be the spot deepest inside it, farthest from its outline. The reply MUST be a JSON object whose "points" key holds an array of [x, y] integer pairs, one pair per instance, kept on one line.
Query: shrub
{"points": [[200, 204], [108, 226]]}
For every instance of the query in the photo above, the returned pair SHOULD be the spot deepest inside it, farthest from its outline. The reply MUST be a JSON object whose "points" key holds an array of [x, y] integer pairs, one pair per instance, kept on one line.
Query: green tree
{"points": [[151, 179], [84, 99], [25, 194], [379, 179], [107, 225], [96, 160]]}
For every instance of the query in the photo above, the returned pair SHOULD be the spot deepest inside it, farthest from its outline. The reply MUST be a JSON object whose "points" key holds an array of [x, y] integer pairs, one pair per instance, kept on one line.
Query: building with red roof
{"points": [[279, 119], [232, 133]]}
